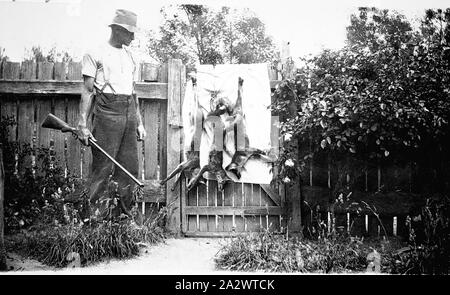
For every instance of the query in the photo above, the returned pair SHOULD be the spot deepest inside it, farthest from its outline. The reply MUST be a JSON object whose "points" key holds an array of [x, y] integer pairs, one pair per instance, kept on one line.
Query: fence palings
{"points": [[29, 91]]}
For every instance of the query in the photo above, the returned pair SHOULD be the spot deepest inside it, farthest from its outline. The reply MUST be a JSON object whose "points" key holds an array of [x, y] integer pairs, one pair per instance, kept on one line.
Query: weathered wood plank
{"points": [[247, 210], [163, 76], [162, 160], [59, 137], [211, 223], [192, 197], [74, 71], [73, 144], [238, 194], [192, 223], [13, 85], [28, 70], [203, 223], [228, 223], [274, 223], [253, 222], [25, 121], [228, 192], [9, 109], [150, 118], [44, 107], [184, 195], [25, 128], [45, 70], [152, 90], [60, 71], [202, 195], [173, 141], [239, 221], [270, 191], [248, 194], [11, 70], [212, 192], [153, 192]]}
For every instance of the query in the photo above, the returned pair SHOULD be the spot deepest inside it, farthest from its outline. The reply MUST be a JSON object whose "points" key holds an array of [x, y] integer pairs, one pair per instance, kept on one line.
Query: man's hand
{"points": [[141, 133], [84, 134]]}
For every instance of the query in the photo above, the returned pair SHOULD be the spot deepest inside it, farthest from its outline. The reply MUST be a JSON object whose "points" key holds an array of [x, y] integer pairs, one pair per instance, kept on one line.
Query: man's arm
{"points": [[87, 96]]}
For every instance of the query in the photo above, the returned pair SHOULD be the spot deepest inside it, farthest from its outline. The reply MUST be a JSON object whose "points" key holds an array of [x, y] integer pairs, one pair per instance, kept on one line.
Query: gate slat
{"points": [[11, 70], [9, 109], [28, 71], [45, 70], [150, 118], [59, 137], [44, 107], [73, 144], [25, 126], [25, 121], [74, 71], [60, 71]]}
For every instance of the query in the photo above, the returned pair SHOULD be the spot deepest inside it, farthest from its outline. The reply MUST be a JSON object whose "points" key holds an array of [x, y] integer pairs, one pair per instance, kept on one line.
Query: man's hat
{"points": [[126, 19]]}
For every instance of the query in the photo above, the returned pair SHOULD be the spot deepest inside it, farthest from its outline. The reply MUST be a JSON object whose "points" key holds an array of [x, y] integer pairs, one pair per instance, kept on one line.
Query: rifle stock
{"points": [[53, 122]]}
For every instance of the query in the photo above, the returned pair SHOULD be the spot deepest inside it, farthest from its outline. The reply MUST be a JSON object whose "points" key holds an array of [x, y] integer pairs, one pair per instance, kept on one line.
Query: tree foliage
{"points": [[38, 54], [384, 96], [199, 34]]}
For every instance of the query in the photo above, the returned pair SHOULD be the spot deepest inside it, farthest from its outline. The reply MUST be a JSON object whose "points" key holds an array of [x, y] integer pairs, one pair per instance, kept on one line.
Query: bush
{"points": [[428, 251], [48, 214], [274, 253], [37, 186]]}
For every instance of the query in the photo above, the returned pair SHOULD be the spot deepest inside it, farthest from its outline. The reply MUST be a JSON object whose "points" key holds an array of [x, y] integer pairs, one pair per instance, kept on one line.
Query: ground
{"points": [[181, 256]]}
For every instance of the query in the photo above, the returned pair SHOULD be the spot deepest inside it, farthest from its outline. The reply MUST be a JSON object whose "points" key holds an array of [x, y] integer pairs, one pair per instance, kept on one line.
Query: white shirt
{"points": [[115, 65]]}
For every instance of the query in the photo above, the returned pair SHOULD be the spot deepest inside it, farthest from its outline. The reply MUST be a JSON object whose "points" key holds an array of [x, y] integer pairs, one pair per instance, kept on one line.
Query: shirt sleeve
{"points": [[89, 65]]}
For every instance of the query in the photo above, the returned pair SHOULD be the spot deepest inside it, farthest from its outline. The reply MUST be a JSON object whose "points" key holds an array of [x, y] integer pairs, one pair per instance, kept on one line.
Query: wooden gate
{"points": [[240, 207]]}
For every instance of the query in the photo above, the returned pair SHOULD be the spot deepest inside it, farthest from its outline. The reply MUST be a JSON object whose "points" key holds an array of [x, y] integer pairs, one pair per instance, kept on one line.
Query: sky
{"points": [[76, 25]]}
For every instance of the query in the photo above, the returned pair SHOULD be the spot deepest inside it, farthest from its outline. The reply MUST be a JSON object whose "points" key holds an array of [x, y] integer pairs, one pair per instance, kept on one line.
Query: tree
{"points": [[37, 54], [383, 97], [198, 34], [376, 28]]}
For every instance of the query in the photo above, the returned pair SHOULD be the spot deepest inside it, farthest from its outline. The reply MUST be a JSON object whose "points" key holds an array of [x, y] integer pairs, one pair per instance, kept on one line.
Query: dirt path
{"points": [[175, 256]]}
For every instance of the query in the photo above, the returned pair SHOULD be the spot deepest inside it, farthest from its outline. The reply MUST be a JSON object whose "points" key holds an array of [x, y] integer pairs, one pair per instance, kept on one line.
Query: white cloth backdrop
{"points": [[255, 101]]}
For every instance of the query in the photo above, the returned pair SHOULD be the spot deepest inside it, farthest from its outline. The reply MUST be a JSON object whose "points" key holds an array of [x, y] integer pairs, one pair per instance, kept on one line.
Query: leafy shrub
{"points": [[36, 185], [381, 99], [270, 252]]}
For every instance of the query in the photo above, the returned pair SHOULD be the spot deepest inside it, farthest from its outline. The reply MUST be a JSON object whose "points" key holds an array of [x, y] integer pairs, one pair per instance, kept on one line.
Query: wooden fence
{"points": [[29, 91], [391, 188]]}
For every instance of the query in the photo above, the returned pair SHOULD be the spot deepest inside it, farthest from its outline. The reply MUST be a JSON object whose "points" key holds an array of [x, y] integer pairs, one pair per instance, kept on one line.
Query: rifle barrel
{"points": [[116, 163]]}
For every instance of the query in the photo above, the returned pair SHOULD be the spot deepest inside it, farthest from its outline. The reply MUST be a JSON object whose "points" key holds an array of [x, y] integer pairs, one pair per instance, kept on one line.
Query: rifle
{"points": [[53, 122]]}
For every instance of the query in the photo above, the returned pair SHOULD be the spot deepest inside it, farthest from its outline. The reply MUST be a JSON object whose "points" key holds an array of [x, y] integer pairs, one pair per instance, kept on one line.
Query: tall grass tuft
{"points": [[93, 242], [266, 251]]}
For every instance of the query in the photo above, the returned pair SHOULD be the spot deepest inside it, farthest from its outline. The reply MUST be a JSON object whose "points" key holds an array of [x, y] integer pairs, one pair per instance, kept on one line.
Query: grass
{"points": [[265, 251]]}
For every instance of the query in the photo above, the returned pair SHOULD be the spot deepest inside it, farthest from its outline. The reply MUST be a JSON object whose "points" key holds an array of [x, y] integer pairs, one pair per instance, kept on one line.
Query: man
{"points": [[109, 77]]}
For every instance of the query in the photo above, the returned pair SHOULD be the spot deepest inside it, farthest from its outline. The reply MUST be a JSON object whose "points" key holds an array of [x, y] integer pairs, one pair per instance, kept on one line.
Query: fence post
{"points": [[2, 196], [174, 124]]}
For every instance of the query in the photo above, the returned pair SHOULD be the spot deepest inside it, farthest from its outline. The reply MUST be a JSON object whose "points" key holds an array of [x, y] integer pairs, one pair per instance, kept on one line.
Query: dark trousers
{"points": [[114, 128]]}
